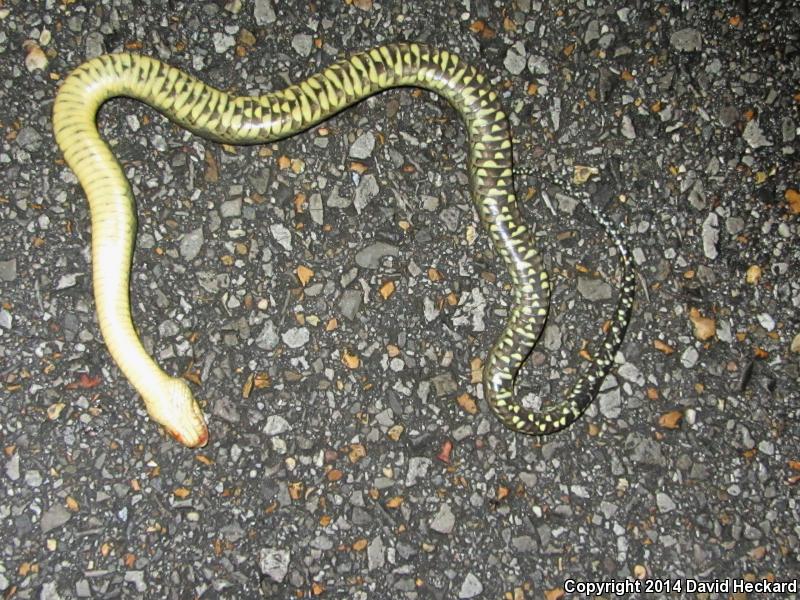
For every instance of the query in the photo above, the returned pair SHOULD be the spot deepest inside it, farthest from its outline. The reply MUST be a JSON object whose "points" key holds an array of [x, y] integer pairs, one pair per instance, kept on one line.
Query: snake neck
{"points": [[113, 217]]}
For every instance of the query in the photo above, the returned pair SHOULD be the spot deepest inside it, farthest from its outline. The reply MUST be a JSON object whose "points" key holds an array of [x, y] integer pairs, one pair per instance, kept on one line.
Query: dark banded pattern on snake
{"points": [[216, 115]]}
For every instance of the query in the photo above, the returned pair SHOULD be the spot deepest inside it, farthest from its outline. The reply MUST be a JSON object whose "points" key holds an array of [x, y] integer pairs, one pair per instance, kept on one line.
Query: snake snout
{"points": [[178, 412], [197, 440]]}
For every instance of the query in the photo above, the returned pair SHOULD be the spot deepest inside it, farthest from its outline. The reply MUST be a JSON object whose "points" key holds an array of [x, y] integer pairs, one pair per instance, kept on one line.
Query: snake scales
{"points": [[218, 116]]}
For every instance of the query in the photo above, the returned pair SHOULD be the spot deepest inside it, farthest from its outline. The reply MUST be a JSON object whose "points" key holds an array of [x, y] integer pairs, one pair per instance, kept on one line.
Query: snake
{"points": [[219, 116]]}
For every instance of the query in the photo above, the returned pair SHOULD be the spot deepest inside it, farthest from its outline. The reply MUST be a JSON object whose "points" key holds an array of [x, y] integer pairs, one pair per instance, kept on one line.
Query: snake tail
{"points": [[217, 115], [499, 370]]}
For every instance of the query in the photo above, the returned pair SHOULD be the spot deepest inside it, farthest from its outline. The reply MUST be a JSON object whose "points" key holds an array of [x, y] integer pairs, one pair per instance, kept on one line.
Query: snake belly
{"points": [[219, 116]]}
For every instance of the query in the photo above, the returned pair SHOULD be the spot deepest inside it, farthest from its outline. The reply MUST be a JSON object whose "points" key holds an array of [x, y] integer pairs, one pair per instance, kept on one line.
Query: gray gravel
{"points": [[352, 453]]}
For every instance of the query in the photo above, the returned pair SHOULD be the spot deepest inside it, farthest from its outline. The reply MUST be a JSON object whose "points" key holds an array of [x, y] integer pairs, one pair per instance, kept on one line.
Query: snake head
{"points": [[178, 412]]}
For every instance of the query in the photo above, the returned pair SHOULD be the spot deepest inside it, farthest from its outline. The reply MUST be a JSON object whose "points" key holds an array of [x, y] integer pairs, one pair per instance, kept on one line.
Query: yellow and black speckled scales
{"points": [[219, 116]]}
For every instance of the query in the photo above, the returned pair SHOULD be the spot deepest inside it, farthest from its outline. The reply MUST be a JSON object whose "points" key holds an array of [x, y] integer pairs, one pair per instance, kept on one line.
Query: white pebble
{"points": [[766, 321], [296, 337]]}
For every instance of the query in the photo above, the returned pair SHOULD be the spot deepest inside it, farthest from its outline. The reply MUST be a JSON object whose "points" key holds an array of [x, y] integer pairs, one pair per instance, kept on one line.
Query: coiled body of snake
{"points": [[219, 116]]}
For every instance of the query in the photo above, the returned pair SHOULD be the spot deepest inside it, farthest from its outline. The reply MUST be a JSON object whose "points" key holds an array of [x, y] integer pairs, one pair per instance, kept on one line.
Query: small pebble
{"points": [[6, 319], [191, 243], [516, 58], [711, 235], [471, 588], [316, 209], [444, 521], [231, 208], [795, 346], [594, 289], [366, 190], [689, 357], [268, 338], [35, 57], [538, 65], [766, 447], [370, 257], [296, 337], [754, 135], [302, 44], [54, 517], [8, 269], [451, 217], [664, 502], [610, 403], [264, 12], [33, 478], [350, 302], [67, 281], [137, 579], [627, 129], [49, 591], [95, 44], [276, 425], [417, 469], [766, 321], [12, 467], [223, 42], [376, 557], [630, 372], [686, 40], [281, 235], [444, 384], [29, 139], [363, 146]]}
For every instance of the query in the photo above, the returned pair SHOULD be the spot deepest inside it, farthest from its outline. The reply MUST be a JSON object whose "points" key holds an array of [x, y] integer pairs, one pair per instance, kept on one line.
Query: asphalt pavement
{"points": [[332, 296]]}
